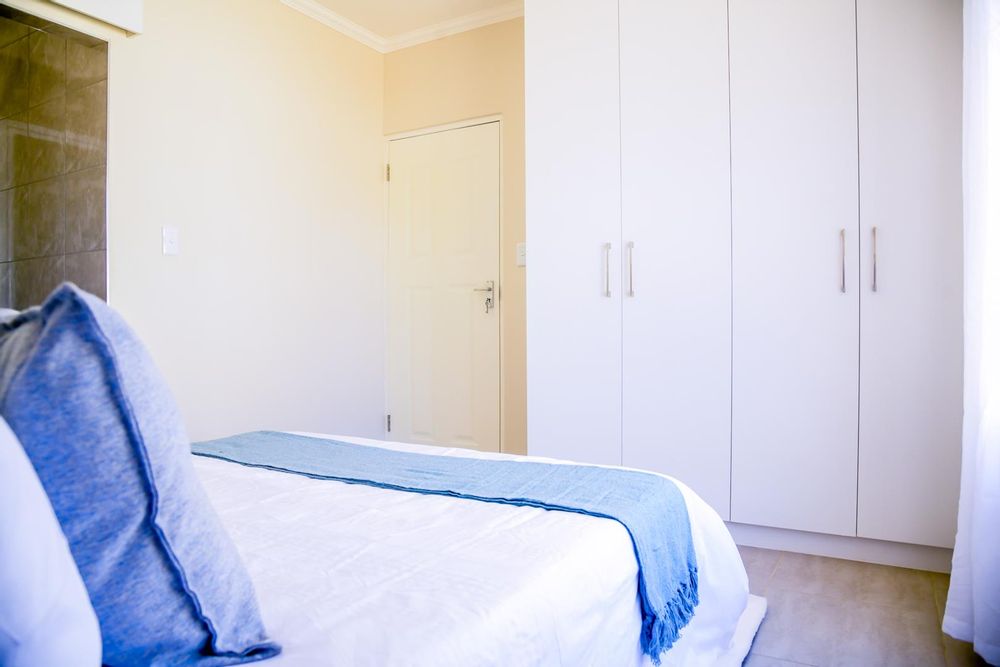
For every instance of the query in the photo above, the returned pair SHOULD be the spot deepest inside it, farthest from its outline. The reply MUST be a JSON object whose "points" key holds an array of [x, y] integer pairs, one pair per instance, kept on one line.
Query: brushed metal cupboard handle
{"points": [[843, 260], [631, 280], [607, 270], [874, 259]]}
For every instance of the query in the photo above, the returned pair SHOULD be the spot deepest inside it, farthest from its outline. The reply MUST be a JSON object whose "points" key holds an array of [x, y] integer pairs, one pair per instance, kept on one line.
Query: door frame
{"points": [[419, 132]]}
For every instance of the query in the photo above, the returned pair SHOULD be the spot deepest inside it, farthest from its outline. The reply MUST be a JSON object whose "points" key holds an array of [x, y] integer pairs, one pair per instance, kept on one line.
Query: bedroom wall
{"points": [[257, 132], [478, 73]]}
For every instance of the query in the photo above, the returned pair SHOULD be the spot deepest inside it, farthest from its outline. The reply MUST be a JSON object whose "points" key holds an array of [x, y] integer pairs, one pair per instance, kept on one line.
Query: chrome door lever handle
{"points": [[489, 289]]}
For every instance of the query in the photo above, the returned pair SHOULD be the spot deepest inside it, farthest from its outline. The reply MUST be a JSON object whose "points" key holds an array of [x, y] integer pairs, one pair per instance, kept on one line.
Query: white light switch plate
{"points": [[171, 241], [520, 254]]}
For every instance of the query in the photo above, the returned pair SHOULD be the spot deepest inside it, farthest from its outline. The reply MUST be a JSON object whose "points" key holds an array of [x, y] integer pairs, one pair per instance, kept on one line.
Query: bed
{"points": [[308, 571], [358, 575]]}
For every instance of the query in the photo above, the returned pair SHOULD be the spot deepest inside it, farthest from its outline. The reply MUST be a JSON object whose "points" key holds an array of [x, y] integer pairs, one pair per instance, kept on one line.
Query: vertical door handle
{"points": [[631, 281], [874, 259], [607, 270], [843, 260], [490, 290]]}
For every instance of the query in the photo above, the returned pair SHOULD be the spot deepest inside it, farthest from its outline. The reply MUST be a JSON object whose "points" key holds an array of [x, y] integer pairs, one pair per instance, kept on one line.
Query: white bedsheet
{"points": [[356, 575]]}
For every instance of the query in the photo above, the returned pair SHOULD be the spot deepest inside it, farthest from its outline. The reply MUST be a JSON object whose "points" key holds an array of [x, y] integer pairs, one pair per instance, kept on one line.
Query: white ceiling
{"points": [[388, 25]]}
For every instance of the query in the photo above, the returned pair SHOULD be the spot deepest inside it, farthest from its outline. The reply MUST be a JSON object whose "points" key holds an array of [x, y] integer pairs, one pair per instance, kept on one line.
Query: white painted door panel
{"points": [[676, 210], [910, 94], [573, 209], [795, 332], [443, 344]]}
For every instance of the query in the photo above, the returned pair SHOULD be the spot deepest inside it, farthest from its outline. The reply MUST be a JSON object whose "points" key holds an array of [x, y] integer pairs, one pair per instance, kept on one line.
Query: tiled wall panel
{"points": [[53, 154]]}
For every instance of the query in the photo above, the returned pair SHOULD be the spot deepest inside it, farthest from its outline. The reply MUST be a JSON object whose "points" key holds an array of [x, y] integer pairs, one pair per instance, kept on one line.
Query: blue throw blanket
{"points": [[650, 507]]}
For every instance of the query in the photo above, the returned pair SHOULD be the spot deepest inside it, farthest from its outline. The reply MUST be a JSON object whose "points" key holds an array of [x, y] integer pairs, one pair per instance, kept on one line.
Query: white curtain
{"points": [[973, 609]]}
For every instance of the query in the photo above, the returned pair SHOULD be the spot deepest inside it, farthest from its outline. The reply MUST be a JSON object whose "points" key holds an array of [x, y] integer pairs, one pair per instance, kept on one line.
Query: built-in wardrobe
{"points": [[744, 223]]}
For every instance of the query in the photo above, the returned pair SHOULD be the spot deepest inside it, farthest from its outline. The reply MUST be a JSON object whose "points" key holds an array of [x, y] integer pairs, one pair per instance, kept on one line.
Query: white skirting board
{"points": [[918, 557]]}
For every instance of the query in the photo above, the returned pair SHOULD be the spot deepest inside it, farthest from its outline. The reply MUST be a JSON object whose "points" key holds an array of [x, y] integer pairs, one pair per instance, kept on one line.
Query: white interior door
{"points": [[573, 208], [795, 264], [910, 87], [443, 327], [676, 374]]}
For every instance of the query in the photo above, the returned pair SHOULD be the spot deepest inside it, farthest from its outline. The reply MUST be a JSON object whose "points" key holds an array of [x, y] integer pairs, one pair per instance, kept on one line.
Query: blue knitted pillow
{"points": [[99, 425]]}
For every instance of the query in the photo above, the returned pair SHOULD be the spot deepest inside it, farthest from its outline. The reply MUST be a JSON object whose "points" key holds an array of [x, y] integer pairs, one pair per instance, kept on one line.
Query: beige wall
{"points": [[257, 132], [477, 73]]}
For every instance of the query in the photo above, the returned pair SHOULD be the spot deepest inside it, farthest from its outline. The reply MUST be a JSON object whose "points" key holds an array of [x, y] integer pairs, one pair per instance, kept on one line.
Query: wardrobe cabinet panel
{"points": [[676, 213], [910, 95], [573, 208], [795, 263], [744, 224]]}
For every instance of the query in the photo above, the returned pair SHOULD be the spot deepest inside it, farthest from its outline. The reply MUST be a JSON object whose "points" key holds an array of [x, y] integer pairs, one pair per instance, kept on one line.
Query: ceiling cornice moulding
{"points": [[383, 44], [506, 12], [332, 19]]}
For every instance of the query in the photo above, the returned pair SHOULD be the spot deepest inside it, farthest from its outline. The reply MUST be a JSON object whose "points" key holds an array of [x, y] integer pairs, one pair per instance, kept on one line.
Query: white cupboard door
{"points": [[443, 358], [910, 96], [573, 219], [676, 213], [795, 264]]}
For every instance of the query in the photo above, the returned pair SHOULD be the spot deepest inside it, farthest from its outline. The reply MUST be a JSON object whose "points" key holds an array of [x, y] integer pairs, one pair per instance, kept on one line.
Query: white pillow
{"points": [[45, 613]]}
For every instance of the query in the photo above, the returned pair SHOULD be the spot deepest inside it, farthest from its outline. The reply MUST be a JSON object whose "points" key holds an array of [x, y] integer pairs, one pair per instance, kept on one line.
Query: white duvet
{"points": [[356, 575]]}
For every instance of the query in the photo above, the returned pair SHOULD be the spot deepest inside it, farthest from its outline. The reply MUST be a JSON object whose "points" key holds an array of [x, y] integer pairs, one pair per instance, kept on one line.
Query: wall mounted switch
{"points": [[171, 241]]}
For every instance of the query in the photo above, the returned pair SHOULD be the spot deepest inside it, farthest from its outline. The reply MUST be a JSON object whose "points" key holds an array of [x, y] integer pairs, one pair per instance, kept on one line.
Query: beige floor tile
{"points": [[897, 587], [759, 564], [939, 583], [892, 637], [860, 583], [756, 554], [754, 660], [801, 627], [830, 612], [821, 630], [816, 575], [960, 654]]}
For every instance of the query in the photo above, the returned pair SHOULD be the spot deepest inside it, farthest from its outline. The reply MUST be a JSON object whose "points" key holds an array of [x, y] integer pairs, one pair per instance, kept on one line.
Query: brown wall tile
{"points": [[47, 78], [86, 210], [11, 31], [36, 219], [5, 225], [89, 271], [13, 131], [23, 18], [85, 65], [44, 154], [14, 78], [6, 300], [34, 279], [6, 168], [72, 36], [87, 126]]}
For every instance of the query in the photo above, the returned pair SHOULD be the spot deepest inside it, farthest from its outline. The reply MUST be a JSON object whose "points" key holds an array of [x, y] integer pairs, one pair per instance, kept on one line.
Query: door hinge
{"points": [[388, 423], [387, 172]]}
